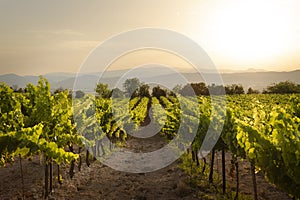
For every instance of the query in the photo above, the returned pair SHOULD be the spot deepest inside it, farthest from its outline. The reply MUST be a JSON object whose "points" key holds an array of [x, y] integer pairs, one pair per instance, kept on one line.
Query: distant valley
{"points": [[86, 82]]}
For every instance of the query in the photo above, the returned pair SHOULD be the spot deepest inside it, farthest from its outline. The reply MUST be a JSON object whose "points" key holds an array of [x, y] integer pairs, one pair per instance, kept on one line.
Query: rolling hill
{"points": [[255, 79]]}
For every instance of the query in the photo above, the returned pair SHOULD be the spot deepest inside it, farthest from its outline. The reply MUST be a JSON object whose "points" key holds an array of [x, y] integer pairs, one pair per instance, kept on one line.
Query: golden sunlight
{"points": [[251, 31]]}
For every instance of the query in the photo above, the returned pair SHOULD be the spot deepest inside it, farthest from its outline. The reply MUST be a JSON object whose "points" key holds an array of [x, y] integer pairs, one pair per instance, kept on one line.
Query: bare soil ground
{"points": [[101, 182]]}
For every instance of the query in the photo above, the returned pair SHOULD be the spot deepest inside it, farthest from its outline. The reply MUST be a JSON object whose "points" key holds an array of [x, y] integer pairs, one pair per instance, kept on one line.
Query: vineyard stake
{"points": [[46, 179], [223, 171], [254, 180], [210, 178], [51, 176], [58, 175], [237, 179], [87, 158], [80, 159]]}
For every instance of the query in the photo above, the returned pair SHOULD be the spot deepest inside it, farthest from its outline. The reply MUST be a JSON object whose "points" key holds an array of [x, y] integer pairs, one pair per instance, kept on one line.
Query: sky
{"points": [[39, 37]]}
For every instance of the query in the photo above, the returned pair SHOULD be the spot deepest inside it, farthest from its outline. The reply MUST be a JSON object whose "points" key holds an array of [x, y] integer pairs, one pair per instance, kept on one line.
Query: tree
{"points": [[285, 87], [200, 88], [103, 91], [252, 91], [79, 94], [144, 90], [158, 92], [216, 89], [117, 93], [131, 87], [234, 89], [187, 90]]}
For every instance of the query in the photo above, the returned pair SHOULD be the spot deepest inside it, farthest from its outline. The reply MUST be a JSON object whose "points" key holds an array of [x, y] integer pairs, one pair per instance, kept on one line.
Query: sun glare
{"points": [[251, 31]]}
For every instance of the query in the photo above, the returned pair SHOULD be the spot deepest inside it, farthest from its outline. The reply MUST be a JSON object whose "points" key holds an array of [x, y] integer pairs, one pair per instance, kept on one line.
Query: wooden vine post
{"points": [[46, 179], [237, 179], [223, 172], [211, 173], [254, 180]]}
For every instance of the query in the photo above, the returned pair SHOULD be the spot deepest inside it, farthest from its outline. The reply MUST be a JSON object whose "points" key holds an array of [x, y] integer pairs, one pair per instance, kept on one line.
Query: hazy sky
{"points": [[39, 37]]}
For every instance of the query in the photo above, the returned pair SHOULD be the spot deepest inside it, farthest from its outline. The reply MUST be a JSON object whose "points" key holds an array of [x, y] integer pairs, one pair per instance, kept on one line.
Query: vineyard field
{"points": [[64, 136]]}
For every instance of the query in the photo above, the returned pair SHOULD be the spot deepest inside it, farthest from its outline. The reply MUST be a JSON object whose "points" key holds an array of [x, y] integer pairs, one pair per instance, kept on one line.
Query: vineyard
{"points": [[262, 129]]}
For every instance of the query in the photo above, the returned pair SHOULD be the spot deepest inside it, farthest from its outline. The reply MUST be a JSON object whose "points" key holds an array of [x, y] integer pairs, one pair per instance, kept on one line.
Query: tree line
{"points": [[135, 88]]}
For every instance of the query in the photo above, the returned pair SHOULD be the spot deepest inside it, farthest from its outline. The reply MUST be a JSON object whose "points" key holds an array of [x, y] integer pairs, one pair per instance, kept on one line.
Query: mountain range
{"points": [[86, 82]]}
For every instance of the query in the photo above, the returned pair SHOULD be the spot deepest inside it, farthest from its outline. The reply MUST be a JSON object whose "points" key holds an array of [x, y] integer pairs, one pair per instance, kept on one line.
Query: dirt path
{"points": [[101, 182]]}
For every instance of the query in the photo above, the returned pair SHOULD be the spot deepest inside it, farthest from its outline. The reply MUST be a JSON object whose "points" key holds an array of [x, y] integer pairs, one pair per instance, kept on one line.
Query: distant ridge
{"points": [[255, 79]]}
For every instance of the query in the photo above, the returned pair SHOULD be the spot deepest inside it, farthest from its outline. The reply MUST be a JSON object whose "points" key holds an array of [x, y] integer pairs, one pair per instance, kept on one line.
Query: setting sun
{"points": [[252, 31]]}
